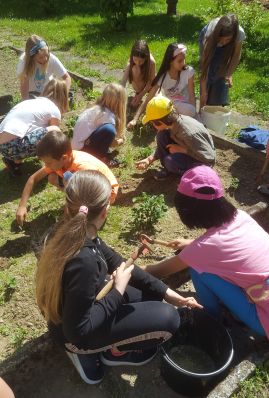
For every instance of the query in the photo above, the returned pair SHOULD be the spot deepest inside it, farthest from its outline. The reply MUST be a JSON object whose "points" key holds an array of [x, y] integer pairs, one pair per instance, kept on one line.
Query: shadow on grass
{"points": [[35, 232], [12, 187], [152, 27]]}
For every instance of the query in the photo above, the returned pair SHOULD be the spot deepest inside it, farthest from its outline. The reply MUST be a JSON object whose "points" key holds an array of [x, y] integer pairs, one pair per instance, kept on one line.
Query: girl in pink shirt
{"points": [[229, 263]]}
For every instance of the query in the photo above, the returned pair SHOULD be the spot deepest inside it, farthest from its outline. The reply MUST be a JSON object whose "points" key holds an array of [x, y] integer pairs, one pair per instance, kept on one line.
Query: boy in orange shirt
{"points": [[55, 151]]}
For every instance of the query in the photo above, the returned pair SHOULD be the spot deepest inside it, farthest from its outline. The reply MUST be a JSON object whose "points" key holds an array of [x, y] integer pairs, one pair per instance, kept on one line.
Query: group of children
{"points": [[226, 262]]}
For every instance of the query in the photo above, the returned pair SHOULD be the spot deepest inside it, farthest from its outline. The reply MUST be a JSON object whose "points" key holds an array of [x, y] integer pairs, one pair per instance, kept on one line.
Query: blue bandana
{"points": [[40, 44]]}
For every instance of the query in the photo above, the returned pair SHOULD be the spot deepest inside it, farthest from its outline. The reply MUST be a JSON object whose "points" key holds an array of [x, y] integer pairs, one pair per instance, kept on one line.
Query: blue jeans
{"points": [[211, 290], [100, 140], [176, 163]]}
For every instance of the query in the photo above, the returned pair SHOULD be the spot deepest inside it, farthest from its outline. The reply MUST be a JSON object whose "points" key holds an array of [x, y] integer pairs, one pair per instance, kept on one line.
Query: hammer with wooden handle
{"points": [[143, 249]]}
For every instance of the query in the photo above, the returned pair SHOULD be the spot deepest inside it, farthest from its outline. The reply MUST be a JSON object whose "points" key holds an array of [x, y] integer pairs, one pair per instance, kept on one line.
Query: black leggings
{"points": [[138, 324]]}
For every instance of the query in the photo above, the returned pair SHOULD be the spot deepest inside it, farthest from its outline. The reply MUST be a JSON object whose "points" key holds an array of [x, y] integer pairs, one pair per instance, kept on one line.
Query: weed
{"points": [[255, 387], [144, 152], [18, 337], [234, 185], [8, 288], [91, 95], [70, 124], [5, 330], [147, 213]]}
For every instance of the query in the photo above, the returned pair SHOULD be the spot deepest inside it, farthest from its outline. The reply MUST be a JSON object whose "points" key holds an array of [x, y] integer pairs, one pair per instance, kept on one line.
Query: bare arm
{"points": [[31, 182], [166, 267], [67, 79], [24, 87], [143, 106]]}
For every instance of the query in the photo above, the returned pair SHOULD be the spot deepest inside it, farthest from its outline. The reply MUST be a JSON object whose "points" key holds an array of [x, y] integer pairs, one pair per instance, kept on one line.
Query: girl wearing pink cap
{"points": [[175, 80], [229, 263]]}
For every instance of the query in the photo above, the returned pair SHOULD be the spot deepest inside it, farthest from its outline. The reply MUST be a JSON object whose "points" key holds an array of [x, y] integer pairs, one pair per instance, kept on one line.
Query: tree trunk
{"points": [[171, 7]]}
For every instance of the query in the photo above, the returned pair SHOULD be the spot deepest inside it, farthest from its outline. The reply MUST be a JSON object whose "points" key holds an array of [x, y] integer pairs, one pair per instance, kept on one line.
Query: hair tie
{"points": [[83, 209], [40, 44], [181, 49]]}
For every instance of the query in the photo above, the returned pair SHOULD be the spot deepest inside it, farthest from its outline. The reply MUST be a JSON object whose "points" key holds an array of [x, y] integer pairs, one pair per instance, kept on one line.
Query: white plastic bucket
{"points": [[216, 118]]}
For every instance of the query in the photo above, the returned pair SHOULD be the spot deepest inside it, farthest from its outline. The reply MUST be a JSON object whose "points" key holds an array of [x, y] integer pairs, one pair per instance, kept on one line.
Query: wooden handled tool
{"points": [[144, 237], [143, 249]]}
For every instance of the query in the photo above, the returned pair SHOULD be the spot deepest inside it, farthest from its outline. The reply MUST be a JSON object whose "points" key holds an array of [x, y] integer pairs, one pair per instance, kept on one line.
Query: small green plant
{"points": [[256, 386], [234, 183], [147, 212], [70, 124], [91, 95], [18, 337], [144, 152], [7, 289]]}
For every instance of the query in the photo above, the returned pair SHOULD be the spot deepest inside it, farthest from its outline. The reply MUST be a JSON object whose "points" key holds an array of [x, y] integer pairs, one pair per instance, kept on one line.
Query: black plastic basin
{"points": [[206, 334]]}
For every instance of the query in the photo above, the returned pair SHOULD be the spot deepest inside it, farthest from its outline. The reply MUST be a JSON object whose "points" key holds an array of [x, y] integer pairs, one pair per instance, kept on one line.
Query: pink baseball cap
{"points": [[199, 177]]}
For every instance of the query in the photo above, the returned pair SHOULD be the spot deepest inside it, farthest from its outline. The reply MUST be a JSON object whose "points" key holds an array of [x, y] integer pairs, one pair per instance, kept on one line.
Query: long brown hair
{"points": [[227, 26], [140, 49], [85, 188], [29, 60], [115, 99], [56, 91]]}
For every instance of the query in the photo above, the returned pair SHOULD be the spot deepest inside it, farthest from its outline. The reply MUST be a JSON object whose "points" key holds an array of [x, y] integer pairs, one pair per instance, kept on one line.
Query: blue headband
{"points": [[40, 44]]}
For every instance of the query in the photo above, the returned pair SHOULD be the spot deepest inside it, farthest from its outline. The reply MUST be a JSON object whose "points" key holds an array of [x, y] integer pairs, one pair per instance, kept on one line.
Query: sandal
{"points": [[113, 163], [264, 189]]}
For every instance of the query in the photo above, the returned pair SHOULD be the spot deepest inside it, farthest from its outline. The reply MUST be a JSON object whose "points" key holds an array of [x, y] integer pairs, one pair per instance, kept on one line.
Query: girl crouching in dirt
{"points": [[102, 126], [72, 270]]}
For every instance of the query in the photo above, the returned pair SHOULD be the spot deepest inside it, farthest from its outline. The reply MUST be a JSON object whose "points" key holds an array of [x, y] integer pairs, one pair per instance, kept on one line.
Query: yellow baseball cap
{"points": [[157, 108]]}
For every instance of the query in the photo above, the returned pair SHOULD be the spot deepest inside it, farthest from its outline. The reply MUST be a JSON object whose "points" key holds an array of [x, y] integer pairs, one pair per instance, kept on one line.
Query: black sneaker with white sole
{"points": [[130, 358], [88, 366]]}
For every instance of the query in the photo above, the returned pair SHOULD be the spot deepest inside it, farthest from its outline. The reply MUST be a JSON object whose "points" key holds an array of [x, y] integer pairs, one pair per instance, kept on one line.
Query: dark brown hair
{"points": [[54, 144], [227, 26], [140, 47]]}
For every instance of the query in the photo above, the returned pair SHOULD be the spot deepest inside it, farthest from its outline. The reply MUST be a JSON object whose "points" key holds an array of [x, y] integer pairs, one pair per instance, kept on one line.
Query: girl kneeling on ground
{"points": [[140, 71], [102, 126], [27, 123], [72, 270], [229, 262], [175, 80], [37, 66]]}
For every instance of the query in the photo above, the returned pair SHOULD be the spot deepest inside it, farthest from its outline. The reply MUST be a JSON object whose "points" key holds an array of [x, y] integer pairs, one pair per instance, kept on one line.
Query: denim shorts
{"points": [[25, 147]]}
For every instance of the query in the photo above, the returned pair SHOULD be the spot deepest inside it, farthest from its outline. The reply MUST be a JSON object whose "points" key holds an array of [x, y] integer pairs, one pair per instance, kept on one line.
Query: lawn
{"points": [[84, 39], [85, 34]]}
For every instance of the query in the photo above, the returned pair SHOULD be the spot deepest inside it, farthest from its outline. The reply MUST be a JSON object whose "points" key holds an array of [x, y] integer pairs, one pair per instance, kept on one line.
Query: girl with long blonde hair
{"points": [[37, 66], [103, 125], [27, 123], [72, 270]]}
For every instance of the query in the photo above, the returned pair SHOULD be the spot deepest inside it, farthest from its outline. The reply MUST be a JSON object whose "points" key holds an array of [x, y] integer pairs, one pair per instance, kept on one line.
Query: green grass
{"points": [[87, 36], [255, 387]]}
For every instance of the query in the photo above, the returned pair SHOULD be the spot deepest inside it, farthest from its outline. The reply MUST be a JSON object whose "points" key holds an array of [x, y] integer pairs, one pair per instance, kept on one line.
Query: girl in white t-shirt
{"points": [[140, 71], [102, 126], [175, 80], [37, 66], [28, 121]]}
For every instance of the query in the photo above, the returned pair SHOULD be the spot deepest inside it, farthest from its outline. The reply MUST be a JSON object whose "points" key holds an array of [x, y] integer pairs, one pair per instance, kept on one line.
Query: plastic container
{"points": [[216, 118], [205, 333]]}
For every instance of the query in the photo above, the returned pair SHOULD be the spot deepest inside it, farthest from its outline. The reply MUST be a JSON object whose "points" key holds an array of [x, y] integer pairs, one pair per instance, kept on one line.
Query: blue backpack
{"points": [[254, 136]]}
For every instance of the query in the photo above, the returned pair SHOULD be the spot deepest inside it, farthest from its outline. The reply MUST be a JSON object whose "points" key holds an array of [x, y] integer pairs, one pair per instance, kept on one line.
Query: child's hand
{"points": [[190, 302], [121, 277], [179, 243], [136, 100], [175, 148], [131, 124], [142, 164], [229, 81], [175, 299], [21, 215]]}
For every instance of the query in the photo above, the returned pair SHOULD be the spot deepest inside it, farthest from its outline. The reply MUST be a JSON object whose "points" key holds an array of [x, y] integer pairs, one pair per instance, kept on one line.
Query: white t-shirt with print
{"points": [[29, 115], [88, 122], [176, 89], [41, 77]]}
